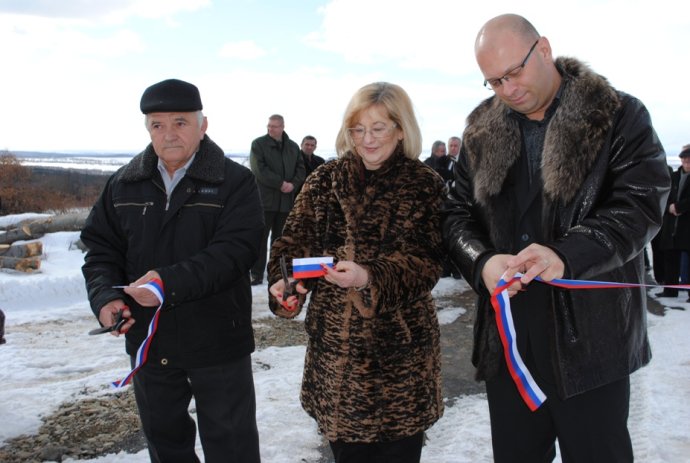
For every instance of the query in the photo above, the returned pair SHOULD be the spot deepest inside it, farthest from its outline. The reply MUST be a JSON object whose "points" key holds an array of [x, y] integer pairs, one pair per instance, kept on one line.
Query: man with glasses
{"points": [[279, 169], [560, 176]]}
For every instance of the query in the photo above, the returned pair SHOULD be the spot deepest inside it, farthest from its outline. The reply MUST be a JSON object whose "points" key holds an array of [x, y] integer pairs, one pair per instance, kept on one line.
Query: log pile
{"points": [[26, 257]]}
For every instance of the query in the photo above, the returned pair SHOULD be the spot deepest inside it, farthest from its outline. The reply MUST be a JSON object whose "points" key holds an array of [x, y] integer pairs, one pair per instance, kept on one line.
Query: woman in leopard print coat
{"points": [[372, 375]]}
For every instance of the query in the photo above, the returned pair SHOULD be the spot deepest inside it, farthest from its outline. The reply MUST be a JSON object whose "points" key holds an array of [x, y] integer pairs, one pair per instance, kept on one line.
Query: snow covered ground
{"points": [[49, 359]]}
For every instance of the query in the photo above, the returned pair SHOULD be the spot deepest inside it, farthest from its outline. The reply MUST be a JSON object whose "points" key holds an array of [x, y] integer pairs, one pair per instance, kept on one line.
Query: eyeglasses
{"points": [[514, 73], [378, 131]]}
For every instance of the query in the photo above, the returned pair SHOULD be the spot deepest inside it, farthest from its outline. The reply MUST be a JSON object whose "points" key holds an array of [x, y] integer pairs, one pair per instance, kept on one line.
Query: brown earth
{"points": [[94, 427]]}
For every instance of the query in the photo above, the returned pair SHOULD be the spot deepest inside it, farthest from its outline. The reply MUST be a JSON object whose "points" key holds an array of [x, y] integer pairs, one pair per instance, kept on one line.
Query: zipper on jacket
{"points": [[219, 206], [144, 205]]}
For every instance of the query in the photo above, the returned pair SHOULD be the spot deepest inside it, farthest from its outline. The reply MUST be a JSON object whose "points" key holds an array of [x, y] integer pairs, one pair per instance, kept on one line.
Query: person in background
{"points": [[675, 232], [372, 376], [182, 214], [685, 268], [439, 161], [547, 190], [279, 168], [658, 254], [2, 327], [311, 160], [443, 165], [454, 145]]}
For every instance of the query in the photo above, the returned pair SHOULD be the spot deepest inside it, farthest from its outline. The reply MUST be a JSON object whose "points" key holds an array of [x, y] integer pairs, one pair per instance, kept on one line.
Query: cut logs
{"points": [[30, 230], [34, 248], [26, 257], [21, 264]]}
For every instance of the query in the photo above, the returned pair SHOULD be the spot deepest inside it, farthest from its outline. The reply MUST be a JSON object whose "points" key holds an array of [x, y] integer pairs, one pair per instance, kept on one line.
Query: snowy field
{"points": [[50, 359]]}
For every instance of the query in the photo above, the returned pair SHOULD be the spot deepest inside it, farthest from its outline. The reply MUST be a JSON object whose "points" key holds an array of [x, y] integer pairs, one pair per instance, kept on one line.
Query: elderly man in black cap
{"points": [[183, 218], [674, 237]]}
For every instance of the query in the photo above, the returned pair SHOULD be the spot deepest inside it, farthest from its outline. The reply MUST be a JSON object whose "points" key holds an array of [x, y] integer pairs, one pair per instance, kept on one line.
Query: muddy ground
{"points": [[93, 427]]}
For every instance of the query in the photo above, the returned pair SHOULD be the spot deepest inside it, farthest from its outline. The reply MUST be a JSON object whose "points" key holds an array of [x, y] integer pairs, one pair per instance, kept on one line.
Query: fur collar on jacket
{"points": [[208, 164], [573, 138]]}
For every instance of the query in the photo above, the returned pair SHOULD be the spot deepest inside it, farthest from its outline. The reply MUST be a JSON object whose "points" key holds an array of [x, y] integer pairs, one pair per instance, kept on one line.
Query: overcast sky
{"points": [[73, 71]]}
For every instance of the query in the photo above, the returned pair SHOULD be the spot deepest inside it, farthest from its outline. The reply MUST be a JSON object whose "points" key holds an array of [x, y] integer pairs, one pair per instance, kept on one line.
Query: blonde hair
{"points": [[399, 108]]}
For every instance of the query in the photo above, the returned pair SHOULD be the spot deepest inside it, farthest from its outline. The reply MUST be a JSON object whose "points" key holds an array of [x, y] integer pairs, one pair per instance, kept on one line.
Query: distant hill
{"points": [[88, 154], [44, 154]]}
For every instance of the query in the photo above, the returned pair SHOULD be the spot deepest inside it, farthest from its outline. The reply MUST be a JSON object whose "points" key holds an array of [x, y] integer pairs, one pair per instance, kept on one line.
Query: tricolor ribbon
{"points": [[156, 287], [527, 387], [530, 392], [310, 267]]}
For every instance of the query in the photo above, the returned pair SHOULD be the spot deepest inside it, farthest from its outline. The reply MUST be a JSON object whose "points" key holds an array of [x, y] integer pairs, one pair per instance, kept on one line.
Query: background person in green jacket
{"points": [[279, 169]]}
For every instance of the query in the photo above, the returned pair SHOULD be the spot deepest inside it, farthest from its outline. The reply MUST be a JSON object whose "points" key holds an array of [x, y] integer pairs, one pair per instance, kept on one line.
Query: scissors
{"points": [[290, 286], [119, 321]]}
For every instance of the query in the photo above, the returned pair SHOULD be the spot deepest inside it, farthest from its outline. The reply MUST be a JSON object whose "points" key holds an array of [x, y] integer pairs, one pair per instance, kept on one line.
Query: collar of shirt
{"points": [[171, 183]]}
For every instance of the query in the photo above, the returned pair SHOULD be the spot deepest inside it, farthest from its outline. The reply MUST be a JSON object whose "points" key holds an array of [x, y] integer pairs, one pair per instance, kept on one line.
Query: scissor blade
{"points": [[283, 270], [104, 329], [119, 321]]}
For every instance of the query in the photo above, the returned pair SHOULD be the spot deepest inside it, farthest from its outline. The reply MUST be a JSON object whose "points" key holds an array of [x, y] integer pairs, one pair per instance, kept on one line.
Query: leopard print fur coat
{"points": [[372, 370]]}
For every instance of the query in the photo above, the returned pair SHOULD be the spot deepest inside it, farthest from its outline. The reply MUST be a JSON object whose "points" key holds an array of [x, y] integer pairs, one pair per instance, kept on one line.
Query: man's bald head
{"points": [[505, 27], [517, 64]]}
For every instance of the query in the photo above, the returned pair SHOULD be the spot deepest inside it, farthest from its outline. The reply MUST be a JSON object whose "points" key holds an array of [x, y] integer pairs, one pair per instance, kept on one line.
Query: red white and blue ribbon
{"points": [[530, 392], [310, 267], [156, 287], [527, 387]]}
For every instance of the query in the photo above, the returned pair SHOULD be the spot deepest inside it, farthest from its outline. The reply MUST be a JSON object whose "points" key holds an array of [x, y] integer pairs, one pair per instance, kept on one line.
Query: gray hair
{"points": [[199, 119]]}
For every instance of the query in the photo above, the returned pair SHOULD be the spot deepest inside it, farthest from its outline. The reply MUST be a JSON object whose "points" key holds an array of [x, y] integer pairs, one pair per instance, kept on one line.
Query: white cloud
{"points": [[54, 73], [99, 9], [312, 100], [157, 9], [64, 8], [244, 50], [419, 35], [103, 60], [637, 45]]}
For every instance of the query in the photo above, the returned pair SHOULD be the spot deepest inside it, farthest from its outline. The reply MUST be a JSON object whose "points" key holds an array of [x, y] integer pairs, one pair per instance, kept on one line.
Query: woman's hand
{"points": [[277, 290], [347, 274]]}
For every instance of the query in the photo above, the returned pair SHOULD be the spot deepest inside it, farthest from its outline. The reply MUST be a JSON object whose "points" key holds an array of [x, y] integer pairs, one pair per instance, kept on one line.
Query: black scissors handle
{"points": [[119, 321], [290, 286]]}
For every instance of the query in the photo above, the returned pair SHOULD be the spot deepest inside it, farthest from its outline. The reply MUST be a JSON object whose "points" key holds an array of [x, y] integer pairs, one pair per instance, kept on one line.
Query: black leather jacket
{"points": [[605, 181]]}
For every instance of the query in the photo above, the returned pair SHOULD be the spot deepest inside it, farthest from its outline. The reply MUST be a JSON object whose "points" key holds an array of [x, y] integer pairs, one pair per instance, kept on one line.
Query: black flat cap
{"points": [[171, 95], [685, 153]]}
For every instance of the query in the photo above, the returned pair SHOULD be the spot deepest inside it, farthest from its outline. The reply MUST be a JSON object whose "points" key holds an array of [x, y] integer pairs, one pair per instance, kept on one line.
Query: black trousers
{"points": [[590, 427], [407, 450], [225, 406], [672, 271], [273, 226]]}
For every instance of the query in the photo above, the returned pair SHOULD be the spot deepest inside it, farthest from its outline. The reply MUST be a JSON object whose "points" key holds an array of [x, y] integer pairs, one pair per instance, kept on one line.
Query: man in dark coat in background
{"points": [[675, 232], [183, 216], [279, 169], [440, 161], [311, 160]]}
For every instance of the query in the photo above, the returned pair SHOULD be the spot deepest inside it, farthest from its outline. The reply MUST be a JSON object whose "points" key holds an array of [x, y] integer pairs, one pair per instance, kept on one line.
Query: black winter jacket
{"points": [[675, 232], [202, 246], [604, 185], [272, 164]]}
